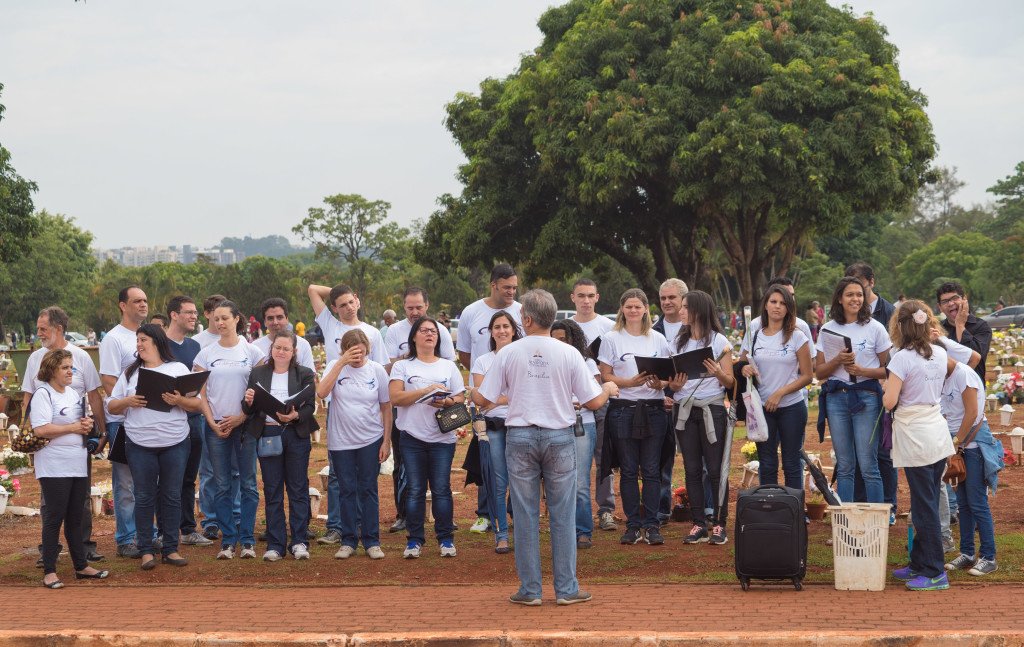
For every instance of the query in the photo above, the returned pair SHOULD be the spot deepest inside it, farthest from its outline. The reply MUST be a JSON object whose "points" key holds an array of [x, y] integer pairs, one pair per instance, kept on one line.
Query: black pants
{"points": [[698, 452], [87, 542], [398, 477], [188, 481], [65, 504]]}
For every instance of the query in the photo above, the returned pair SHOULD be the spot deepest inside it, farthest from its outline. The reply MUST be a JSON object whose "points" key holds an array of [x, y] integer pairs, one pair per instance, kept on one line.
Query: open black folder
{"points": [[152, 384], [691, 363], [270, 405]]}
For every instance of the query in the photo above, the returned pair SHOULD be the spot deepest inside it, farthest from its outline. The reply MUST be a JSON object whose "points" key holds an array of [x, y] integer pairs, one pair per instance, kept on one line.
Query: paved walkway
{"points": [[657, 614]]}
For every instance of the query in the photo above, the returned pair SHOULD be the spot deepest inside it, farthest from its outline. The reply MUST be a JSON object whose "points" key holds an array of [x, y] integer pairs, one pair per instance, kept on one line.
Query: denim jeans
{"points": [[889, 474], [359, 502], [926, 557], [667, 465], [208, 487], [399, 481], [188, 480], [239, 446], [945, 527], [499, 475], [604, 491], [484, 494], [157, 473], [124, 494], [584, 459], [638, 459], [855, 440], [785, 427], [289, 471], [534, 453], [428, 464], [974, 511]]}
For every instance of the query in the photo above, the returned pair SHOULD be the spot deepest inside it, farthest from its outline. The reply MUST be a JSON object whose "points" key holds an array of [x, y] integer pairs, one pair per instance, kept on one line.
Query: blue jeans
{"points": [[665, 502], [534, 453], [785, 427], [926, 557], [484, 494], [124, 494], [604, 491], [157, 472], [239, 446], [855, 440], [359, 502], [289, 471], [584, 458], [638, 459], [208, 487], [428, 464], [974, 511], [889, 474], [499, 475]]}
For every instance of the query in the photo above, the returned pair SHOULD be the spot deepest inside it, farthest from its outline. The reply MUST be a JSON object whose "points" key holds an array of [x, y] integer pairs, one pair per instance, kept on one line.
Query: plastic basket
{"points": [[860, 544]]}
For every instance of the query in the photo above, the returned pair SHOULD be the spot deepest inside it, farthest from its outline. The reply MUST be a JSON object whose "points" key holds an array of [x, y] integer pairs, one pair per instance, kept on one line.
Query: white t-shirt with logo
{"points": [[868, 340], [953, 399], [229, 374], [474, 335], [708, 387], [594, 328], [354, 419], [618, 348], [334, 330], [84, 377], [304, 354], [117, 352], [64, 455], [777, 363], [480, 367], [418, 420], [540, 375], [153, 428], [922, 378], [801, 325], [397, 340]]}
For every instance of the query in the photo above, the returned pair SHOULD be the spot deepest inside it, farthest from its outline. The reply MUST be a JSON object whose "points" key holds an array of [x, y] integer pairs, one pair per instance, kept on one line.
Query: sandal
{"points": [[98, 575], [56, 584], [502, 550], [148, 565]]}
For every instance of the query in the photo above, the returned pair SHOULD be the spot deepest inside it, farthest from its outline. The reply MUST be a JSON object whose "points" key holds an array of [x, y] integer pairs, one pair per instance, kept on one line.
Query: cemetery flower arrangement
{"points": [[749, 451], [681, 497], [1014, 386], [13, 460], [9, 484]]}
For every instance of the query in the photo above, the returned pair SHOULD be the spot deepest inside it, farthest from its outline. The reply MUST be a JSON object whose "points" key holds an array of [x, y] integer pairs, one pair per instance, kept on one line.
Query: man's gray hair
{"points": [[676, 284], [390, 313], [539, 306]]}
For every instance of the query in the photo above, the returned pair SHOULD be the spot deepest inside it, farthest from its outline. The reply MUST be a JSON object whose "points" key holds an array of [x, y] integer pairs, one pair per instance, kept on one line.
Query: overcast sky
{"points": [[170, 123]]}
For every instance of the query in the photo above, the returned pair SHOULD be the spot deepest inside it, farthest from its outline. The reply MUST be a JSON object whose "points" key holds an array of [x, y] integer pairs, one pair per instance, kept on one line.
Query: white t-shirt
{"points": [[229, 374], [397, 340], [418, 420], [480, 367], [801, 325], [868, 341], [354, 418], [922, 378], [278, 389], [594, 328], [586, 414], [618, 348], [153, 428], [474, 335], [671, 331], [540, 376], [957, 351], [117, 352], [777, 363], [84, 378], [953, 399], [206, 337], [334, 330], [64, 455], [707, 387], [304, 355]]}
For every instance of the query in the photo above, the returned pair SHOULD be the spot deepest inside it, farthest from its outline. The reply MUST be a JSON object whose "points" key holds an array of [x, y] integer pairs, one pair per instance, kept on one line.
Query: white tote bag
{"points": [[757, 426]]}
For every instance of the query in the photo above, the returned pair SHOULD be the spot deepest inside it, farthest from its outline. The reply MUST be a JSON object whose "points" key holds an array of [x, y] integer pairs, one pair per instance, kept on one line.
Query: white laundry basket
{"points": [[860, 544]]}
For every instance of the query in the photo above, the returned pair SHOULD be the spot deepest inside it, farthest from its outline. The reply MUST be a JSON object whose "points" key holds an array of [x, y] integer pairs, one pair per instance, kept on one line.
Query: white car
{"points": [[76, 338], [564, 314]]}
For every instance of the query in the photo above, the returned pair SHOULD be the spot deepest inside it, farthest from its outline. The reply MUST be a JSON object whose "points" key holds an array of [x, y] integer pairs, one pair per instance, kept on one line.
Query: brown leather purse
{"points": [[956, 468]]}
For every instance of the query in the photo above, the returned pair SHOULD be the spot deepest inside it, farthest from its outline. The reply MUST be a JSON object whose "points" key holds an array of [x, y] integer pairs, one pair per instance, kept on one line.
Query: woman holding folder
{"points": [[156, 444], [853, 350], [636, 422], [284, 456]]}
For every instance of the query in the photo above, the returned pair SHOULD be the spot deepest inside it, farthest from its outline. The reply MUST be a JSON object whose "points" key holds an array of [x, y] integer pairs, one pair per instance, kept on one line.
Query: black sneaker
{"points": [[211, 532], [397, 526], [632, 536], [582, 543], [718, 535], [698, 535], [653, 537]]}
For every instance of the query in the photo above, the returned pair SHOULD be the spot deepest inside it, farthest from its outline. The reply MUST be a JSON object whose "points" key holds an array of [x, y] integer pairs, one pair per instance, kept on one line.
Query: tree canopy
{"points": [[17, 222]]}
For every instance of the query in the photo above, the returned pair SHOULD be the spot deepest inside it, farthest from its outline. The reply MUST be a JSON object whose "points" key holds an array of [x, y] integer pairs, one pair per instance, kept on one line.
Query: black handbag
{"points": [[451, 418]]}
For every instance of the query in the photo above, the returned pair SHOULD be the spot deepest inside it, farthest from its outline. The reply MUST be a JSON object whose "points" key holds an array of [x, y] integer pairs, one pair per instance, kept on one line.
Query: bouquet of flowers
{"points": [[9, 484], [13, 460], [749, 451], [1014, 387], [681, 497]]}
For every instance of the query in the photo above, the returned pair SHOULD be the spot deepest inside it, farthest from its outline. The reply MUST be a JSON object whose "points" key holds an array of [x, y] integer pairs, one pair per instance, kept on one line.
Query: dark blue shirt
{"points": [[186, 351]]}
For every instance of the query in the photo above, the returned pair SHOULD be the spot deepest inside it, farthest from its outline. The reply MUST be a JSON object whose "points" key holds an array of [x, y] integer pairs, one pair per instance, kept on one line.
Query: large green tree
{"points": [[952, 257], [17, 221], [637, 129]]}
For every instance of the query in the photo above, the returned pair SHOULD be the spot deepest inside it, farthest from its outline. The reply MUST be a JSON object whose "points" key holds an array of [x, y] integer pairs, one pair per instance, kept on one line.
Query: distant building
{"points": [[143, 256]]}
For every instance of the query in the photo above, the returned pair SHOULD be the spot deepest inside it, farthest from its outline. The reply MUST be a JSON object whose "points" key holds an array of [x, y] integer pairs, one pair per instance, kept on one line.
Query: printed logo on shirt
{"points": [[775, 352], [371, 384], [63, 412], [482, 331], [538, 366], [222, 361], [623, 357], [862, 344], [416, 379], [403, 346]]}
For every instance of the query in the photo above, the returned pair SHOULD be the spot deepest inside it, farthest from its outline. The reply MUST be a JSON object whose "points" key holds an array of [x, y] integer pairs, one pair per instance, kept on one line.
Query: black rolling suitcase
{"points": [[771, 535]]}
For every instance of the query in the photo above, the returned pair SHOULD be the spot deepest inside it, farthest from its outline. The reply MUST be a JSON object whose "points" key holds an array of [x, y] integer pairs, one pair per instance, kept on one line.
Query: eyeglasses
{"points": [[427, 331], [953, 299], [189, 313]]}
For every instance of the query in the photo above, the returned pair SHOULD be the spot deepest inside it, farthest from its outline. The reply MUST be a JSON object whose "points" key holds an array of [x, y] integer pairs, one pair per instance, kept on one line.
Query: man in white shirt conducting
{"points": [[539, 376]]}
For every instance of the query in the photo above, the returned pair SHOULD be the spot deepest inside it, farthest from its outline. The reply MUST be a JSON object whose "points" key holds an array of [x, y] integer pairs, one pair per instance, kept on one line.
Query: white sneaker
{"points": [[299, 551], [248, 552], [412, 550], [344, 552], [271, 556], [447, 548], [375, 552], [481, 525], [226, 553]]}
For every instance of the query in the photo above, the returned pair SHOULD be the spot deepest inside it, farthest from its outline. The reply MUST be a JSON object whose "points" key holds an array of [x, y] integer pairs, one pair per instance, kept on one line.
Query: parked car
{"points": [[76, 338], [564, 314], [1008, 316]]}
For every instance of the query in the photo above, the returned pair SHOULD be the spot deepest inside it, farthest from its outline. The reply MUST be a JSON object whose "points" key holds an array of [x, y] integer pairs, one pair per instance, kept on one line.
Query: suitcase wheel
{"points": [[797, 584], [745, 583]]}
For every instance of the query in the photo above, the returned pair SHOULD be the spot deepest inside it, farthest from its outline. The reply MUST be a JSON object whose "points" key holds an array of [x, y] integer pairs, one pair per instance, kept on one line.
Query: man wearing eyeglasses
{"points": [[961, 325]]}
